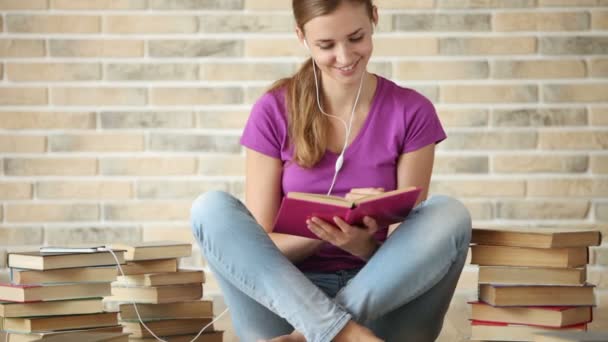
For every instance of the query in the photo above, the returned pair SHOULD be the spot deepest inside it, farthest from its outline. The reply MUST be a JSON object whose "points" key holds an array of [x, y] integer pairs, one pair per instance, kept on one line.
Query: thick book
{"points": [[46, 335], [88, 337], [490, 331], [150, 266], [508, 295], [168, 327], [158, 279], [99, 274], [571, 336], [154, 250], [212, 336], [186, 309], [155, 294], [53, 308], [46, 323], [508, 275], [48, 261], [536, 237], [549, 316], [386, 208], [33, 293], [525, 256]]}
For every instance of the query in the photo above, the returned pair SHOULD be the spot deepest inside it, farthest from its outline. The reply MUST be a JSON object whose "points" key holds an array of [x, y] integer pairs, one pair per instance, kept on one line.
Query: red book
{"points": [[387, 208]]}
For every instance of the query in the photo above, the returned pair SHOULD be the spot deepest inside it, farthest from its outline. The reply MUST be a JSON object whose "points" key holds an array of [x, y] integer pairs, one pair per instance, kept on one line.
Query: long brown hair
{"points": [[307, 125]]}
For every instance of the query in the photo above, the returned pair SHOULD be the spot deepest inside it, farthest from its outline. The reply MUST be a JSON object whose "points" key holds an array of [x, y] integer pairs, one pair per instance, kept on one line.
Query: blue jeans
{"points": [[402, 293]]}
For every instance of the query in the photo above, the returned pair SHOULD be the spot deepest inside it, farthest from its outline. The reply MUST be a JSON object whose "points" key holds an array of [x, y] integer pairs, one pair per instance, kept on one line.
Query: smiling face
{"points": [[340, 42]]}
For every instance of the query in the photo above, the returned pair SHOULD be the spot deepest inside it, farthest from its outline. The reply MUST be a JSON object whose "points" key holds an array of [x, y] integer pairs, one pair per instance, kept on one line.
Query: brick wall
{"points": [[115, 114]]}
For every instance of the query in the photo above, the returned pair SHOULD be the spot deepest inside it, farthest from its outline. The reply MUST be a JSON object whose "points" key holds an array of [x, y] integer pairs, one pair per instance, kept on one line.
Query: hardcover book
{"points": [[52, 308], [47, 261], [537, 237], [88, 337], [46, 323], [154, 250], [489, 331], [54, 335], [571, 336], [549, 316], [33, 293], [507, 295], [155, 294], [186, 309], [387, 208], [167, 327], [506, 275], [525, 256], [98, 274], [212, 336], [150, 266], [158, 279]]}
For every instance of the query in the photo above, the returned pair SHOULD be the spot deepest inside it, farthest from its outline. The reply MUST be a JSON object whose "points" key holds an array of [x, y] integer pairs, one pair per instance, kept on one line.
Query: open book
{"points": [[387, 208]]}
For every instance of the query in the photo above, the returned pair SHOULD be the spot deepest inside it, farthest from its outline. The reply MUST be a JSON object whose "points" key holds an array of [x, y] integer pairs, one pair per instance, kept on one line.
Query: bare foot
{"points": [[354, 332], [295, 336]]}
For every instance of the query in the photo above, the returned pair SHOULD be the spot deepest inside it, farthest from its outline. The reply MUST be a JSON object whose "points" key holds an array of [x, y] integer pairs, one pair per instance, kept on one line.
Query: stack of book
{"points": [[572, 336], [531, 281], [167, 298], [54, 295]]}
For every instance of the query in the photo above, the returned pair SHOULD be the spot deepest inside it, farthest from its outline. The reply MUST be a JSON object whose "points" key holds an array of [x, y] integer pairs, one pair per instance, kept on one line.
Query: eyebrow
{"points": [[330, 40]]}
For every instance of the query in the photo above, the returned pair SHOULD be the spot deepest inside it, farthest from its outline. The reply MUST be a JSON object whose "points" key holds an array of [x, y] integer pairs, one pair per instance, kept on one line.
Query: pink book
{"points": [[387, 208]]}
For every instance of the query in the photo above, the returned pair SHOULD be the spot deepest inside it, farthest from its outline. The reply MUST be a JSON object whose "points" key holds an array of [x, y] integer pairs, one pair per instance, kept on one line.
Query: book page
{"points": [[383, 195], [317, 198]]}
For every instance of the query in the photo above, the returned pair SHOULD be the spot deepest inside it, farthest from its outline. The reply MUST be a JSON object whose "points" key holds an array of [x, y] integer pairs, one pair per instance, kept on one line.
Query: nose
{"points": [[344, 55]]}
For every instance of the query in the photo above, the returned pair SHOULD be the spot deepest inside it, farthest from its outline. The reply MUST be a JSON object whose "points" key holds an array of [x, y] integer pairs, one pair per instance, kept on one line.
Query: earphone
{"points": [[348, 127]]}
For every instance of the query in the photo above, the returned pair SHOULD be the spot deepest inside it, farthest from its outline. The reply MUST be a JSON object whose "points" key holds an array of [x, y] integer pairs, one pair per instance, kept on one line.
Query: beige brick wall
{"points": [[115, 114]]}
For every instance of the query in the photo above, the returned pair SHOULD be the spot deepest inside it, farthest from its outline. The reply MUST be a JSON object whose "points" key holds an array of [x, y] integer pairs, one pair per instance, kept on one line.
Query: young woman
{"points": [[364, 283]]}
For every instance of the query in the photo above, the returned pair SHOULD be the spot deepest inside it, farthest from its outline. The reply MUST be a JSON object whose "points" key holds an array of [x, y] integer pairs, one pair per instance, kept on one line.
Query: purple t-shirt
{"points": [[400, 120]]}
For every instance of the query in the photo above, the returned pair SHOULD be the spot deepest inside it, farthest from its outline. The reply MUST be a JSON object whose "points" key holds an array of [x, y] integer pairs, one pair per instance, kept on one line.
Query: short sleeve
{"points": [[422, 126], [264, 131]]}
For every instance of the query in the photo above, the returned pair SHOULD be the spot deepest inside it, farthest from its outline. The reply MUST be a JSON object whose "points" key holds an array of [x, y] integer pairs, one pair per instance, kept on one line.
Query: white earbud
{"points": [[306, 45]]}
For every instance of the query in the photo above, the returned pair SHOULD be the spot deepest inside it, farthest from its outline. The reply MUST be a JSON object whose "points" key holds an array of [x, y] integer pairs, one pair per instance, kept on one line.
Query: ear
{"points": [[375, 16], [301, 37]]}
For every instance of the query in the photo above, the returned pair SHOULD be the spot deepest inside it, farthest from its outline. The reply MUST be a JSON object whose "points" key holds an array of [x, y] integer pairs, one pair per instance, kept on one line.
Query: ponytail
{"points": [[307, 126]]}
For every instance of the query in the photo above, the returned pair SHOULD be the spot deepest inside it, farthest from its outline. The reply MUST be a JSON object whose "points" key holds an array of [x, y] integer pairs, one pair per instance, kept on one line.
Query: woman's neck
{"points": [[339, 99]]}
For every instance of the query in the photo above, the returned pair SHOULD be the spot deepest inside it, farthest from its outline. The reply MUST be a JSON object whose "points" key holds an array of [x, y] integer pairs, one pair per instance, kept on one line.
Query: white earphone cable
{"points": [[137, 311], [348, 127]]}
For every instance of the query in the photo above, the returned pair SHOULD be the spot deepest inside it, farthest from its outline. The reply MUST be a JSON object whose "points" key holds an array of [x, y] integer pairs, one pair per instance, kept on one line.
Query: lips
{"points": [[348, 67]]}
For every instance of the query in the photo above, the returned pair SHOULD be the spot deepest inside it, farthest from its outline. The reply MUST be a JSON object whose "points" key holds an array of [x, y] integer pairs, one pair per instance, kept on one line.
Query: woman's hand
{"points": [[358, 241]]}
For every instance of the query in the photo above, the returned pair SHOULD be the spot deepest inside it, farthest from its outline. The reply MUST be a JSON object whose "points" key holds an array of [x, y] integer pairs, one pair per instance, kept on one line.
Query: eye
{"points": [[326, 46], [356, 39]]}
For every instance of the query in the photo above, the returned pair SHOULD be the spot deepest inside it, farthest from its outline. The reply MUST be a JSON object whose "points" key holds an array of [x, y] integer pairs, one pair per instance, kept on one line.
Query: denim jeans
{"points": [[402, 293]]}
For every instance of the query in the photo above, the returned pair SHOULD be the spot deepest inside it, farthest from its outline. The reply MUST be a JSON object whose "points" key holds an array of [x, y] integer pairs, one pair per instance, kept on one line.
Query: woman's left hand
{"points": [[358, 241]]}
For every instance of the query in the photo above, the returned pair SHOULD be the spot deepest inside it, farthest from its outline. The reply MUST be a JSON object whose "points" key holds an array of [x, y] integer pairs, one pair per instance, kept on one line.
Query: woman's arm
{"points": [[263, 198], [414, 169]]}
